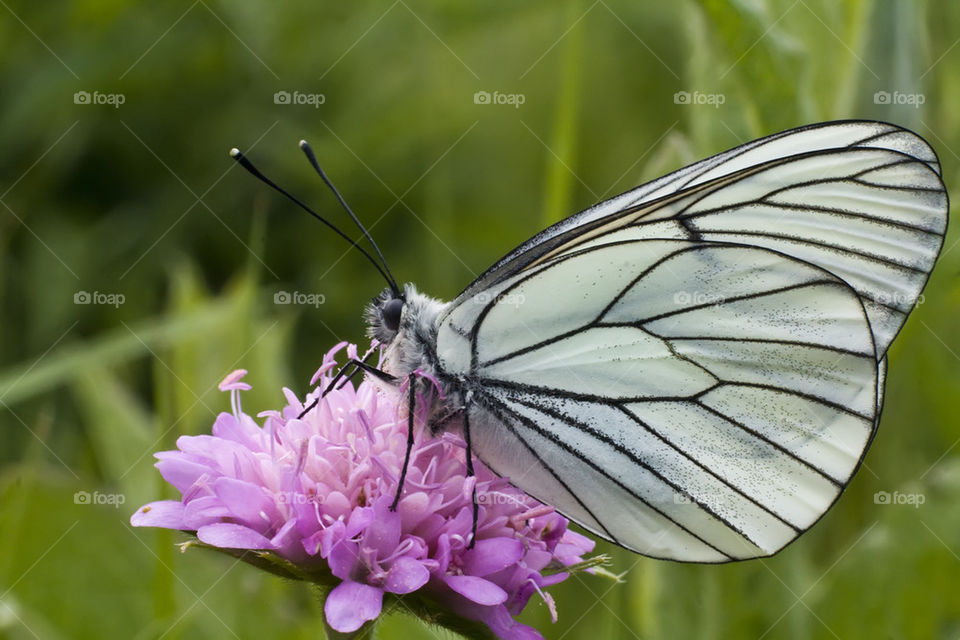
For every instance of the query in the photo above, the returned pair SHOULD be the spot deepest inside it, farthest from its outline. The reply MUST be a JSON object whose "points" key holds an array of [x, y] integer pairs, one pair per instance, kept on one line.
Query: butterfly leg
{"points": [[406, 459], [358, 365], [470, 474], [440, 425], [352, 373]]}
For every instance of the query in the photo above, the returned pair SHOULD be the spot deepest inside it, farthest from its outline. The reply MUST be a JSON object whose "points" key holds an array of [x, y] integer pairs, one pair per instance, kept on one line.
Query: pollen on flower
{"points": [[232, 381], [317, 492]]}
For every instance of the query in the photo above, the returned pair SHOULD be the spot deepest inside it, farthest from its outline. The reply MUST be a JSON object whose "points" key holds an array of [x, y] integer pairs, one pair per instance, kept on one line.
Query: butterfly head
{"points": [[404, 322], [384, 315]]}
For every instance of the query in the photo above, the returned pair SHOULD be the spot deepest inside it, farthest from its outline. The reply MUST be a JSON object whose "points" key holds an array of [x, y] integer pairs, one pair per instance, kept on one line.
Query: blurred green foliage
{"points": [[141, 200]]}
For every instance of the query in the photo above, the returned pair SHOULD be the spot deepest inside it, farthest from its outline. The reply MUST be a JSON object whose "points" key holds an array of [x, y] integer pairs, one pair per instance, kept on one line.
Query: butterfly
{"points": [[693, 369]]}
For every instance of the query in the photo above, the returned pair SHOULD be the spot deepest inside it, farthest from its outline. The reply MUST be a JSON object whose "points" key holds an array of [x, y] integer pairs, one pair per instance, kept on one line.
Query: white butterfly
{"points": [[693, 369]]}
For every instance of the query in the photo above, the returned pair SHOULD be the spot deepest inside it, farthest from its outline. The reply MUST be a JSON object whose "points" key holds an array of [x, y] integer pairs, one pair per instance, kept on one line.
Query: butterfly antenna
{"points": [[308, 151], [246, 164]]}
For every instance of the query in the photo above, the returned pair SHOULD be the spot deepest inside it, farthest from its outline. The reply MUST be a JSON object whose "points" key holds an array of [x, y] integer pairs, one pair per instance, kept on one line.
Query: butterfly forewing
{"points": [[847, 188]]}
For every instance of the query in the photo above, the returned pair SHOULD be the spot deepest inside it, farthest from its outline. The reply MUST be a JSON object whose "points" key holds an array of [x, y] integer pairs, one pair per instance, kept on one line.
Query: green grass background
{"points": [[142, 201]]}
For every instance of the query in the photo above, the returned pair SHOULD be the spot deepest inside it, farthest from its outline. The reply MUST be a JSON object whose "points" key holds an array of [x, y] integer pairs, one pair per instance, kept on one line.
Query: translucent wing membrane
{"points": [[694, 369]]}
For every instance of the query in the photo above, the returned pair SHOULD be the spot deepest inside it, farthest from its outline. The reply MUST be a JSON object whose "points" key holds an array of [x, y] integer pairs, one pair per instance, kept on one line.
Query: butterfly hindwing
{"points": [[626, 404]]}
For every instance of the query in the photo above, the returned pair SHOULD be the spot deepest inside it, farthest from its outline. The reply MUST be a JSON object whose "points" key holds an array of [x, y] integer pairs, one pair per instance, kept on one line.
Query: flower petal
{"points": [[311, 544], [232, 536], [163, 513], [502, 624], [343, 557], [383, 533], [350, 604], [178, 471], [477, 589], [228, 428], [572, 546], [328, 362], [331, 536], [203, 510], [442, 555], [287, 541], [406, 575], [491, 555], [499, 620], [537, 559], [359, 520], [246, 501], [414, 508], [336, 505]]}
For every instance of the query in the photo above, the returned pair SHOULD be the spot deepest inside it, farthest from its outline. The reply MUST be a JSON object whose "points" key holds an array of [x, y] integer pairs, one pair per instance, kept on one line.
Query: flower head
{"points": [[317, 492]]}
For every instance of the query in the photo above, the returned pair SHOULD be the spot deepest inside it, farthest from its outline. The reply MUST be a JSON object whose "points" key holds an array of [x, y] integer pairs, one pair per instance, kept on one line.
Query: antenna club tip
{"points": [[234, 152], [303, 144]]}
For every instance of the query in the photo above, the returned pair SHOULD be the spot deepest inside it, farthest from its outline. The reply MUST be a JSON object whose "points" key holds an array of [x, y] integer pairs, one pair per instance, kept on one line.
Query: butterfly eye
{"points": [[391, 314]]}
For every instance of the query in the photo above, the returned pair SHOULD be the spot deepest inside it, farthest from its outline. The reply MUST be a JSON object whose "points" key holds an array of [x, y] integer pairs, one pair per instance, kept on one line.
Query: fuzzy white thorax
{"points": [[409, 347]]}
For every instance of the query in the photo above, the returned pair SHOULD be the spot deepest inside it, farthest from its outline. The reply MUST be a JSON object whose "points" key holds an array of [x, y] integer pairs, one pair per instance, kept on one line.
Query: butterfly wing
{"points": [[697, 376]]}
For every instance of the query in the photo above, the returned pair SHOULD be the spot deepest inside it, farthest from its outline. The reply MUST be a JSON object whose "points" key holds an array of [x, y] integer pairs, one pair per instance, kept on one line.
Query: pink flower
{"points": [[317, 491]]}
